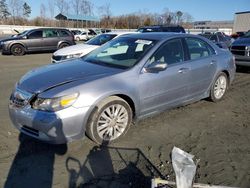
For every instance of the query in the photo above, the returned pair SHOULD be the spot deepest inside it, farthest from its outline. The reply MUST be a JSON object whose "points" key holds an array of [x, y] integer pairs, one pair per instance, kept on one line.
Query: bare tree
{"points": [[84, 7], [60, 4], [42, 13], [15, 9], [187, 18], [26, 10], [51, 8], [105, 13], [166, 16], [76, 6], [4, 12]]}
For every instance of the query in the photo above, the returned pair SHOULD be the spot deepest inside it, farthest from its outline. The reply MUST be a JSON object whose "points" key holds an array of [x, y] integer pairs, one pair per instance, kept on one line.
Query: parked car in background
{"points": [[103, 30], [80, 50], [37, 40], [128, 78], [238, 34], [85, 35], [162, 28], [241, 50], [219, 39], [75, 32]]}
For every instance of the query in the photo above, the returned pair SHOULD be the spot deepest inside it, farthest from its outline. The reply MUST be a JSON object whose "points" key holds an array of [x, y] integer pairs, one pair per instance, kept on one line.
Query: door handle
{"points": [[212, 62], [183, 70]]}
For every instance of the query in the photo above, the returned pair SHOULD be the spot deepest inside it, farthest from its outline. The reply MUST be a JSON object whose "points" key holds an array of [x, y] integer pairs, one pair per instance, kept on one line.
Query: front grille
{"points": [[20, 98], [30, 130], [17, 102], [238, 50]]}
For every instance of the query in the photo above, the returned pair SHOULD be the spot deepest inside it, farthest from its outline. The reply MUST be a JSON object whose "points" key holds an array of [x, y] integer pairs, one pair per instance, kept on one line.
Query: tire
{"points": [[77, 39], [102, 126], [17, 50], [219, 87], [63, 45]]}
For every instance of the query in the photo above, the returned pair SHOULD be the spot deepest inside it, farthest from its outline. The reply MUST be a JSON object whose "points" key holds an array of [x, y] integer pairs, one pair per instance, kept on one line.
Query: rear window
{"points": [[64, 33], [49, 33], [173, 29], [198, 48]]}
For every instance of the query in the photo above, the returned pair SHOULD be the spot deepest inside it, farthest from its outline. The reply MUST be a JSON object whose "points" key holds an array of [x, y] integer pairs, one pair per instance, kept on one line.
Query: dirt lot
{"points": [[217, 134]]}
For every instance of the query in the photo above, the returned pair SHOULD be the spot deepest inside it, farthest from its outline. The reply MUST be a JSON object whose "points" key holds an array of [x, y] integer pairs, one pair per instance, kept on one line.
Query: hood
{"points": [[10, 39], [75, 49], [44, 78], [242, 41]]}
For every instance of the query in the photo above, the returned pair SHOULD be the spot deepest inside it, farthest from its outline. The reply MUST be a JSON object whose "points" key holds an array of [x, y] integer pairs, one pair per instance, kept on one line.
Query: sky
{"points": [[215, 10]]}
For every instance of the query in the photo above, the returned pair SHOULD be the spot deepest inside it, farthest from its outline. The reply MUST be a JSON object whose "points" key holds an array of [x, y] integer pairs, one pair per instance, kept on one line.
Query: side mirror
{"points": [[25, 37], [156, 67]]}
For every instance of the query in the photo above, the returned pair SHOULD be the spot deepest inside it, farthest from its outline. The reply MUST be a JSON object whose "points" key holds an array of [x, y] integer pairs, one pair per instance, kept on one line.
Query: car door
{"points": [[35, 40], [167, 88], [202, 60], [51, 39]]}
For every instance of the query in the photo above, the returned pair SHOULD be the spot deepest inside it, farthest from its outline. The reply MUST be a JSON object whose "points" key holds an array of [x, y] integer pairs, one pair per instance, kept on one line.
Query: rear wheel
{"points": [[63, 45], [77, 39], [17, 50], [109, 121], [219, 87]]}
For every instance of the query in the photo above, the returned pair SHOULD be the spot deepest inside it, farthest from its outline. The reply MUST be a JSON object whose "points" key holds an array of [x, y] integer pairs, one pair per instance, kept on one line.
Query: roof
{"points": [[118, 33], [246, 12], [158, 35], [77, 17]]}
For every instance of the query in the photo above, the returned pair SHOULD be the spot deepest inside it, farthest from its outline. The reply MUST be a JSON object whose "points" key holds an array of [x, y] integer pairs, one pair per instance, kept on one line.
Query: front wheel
{"points": [[219, 87], [17, 50], [109, 121]]}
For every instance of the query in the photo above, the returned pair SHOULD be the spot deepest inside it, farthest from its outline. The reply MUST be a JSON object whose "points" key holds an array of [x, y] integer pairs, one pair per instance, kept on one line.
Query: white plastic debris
{"points": [[184, 168]]}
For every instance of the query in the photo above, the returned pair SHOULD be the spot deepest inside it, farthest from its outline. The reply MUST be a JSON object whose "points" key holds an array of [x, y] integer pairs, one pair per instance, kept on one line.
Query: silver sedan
{"points": [[131, 77]]}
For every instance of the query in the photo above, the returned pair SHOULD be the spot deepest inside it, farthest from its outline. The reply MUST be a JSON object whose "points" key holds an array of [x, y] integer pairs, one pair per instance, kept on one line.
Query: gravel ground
{"points": [[218, 134]]}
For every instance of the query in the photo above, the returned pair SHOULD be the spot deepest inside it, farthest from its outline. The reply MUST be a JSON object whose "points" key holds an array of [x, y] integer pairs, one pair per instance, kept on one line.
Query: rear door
{"points": [[167, 88], [202, 59], [51, 39]]}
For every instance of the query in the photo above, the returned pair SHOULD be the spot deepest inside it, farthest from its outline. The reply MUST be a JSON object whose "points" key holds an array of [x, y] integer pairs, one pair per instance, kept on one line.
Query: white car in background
{"points": [[79, 50], [85, 35]]}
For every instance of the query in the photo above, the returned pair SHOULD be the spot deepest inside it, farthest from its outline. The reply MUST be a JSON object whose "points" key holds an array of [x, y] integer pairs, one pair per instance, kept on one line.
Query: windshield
{"points": [[101, 39], [122, 52], [22, 33]]}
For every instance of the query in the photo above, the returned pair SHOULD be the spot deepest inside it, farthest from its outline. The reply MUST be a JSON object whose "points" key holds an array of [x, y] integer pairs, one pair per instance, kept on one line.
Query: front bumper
{"points": [[52, 127], [242, 60]]}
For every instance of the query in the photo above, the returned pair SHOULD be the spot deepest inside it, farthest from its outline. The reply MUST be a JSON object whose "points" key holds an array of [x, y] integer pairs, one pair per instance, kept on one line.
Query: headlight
{"points": [[55, 104], [71, 56]]}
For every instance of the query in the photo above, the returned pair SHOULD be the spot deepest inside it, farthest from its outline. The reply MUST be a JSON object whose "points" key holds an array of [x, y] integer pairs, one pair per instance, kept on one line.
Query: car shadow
{"points": [[243, 69], [111, 167], [33, 165]]}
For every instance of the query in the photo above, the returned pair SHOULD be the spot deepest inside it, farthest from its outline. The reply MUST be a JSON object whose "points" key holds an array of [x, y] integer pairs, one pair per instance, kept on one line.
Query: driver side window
{"points": [[171, 53], [36, 35]]}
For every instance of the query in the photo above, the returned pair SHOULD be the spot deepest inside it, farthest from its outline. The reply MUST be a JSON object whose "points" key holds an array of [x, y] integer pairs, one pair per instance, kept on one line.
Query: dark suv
{"points": [[162, 28], [241, 50], [36, 40]]}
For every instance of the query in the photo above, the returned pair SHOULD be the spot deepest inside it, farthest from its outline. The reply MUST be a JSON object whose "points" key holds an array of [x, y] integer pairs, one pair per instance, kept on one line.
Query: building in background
{"points": [[212, 26], [241, 21]]}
